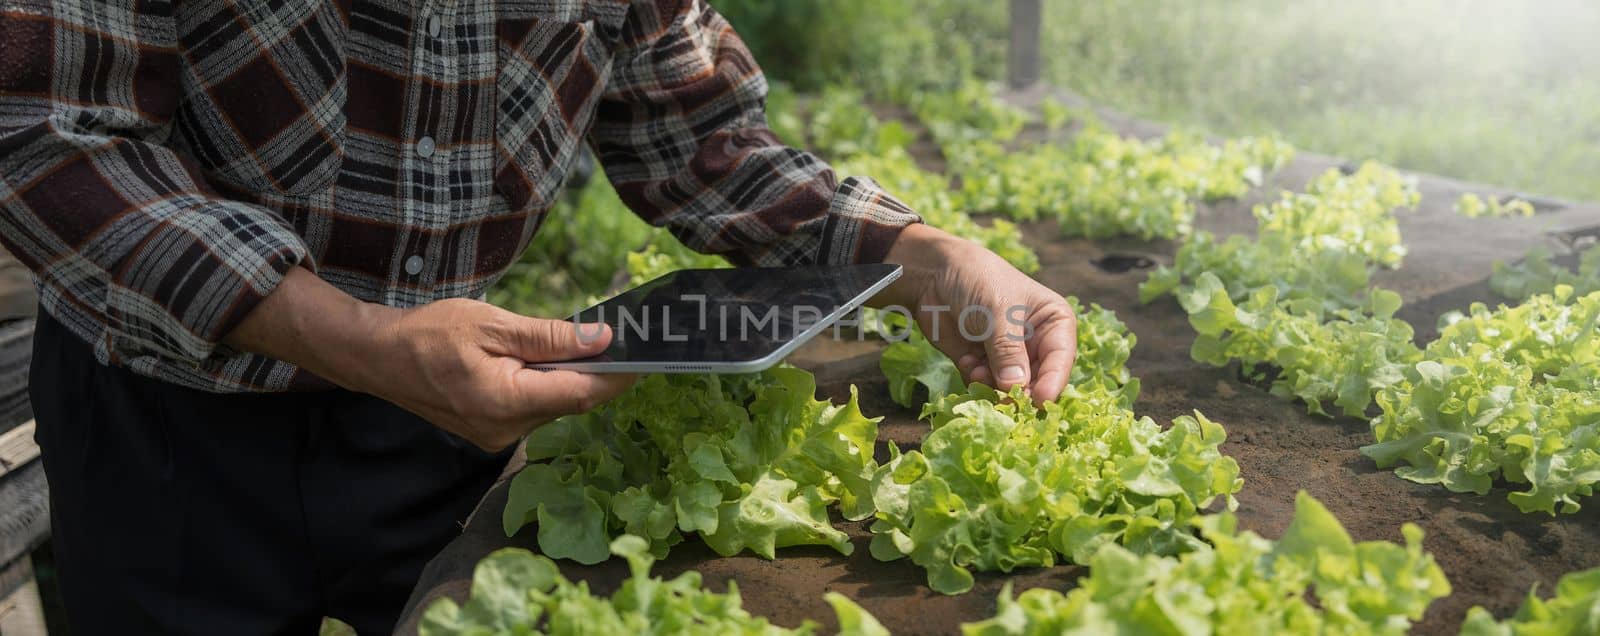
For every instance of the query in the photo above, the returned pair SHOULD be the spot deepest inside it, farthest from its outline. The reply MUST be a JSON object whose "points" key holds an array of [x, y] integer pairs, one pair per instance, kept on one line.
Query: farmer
{"points": [[266, 385]]}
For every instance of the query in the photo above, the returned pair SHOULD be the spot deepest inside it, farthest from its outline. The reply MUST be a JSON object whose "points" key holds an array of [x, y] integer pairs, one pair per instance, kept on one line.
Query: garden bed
{"points": [[1491, 552]]}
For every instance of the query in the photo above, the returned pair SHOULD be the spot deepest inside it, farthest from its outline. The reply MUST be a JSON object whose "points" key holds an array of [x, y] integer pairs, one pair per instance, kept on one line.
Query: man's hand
{"points": [[469, 375], [460, 364], [1017, 331]]}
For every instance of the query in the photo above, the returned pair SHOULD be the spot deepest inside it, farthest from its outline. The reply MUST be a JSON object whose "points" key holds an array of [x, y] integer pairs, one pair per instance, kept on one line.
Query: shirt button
{"points": [[434, 26], [414, 265], [425, 147]]}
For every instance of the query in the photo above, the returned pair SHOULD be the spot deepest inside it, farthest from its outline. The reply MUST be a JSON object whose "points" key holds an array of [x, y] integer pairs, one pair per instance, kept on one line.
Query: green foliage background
{"points": [[1501, 92]]}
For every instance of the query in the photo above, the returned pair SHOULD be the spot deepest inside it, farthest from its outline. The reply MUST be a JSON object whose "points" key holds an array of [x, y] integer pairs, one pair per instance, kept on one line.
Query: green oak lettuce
{"points": [[1101, 184], [1104, 346], [1294, 302], [1001, 483], [1492, 206], [1343, 359], [1097, 184], [1313, 580], [1539, 274], [1575, 609], [517, 592], [744, 462], [1511, 393]]}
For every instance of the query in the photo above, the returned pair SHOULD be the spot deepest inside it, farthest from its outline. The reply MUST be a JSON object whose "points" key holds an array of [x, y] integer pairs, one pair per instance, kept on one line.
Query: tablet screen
{"points": [[738, 319]]}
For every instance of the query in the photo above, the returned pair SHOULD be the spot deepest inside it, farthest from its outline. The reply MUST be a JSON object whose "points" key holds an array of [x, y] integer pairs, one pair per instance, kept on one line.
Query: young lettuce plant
{"points": [[1296, 299], [517, 592], [1473, 206], [1001, 483], [1100, 184], [1313, 580], [1343, 358], [744, 462], [1513, 394], [1575, 609]]}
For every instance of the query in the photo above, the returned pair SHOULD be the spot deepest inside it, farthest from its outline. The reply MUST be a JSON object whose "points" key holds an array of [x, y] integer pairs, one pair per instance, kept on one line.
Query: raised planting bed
{"points": [[1491, 552]]}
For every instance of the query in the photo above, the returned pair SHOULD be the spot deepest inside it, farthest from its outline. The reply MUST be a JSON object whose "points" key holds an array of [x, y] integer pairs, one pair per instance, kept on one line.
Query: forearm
{"points": [[460, 364], [308, 322]]}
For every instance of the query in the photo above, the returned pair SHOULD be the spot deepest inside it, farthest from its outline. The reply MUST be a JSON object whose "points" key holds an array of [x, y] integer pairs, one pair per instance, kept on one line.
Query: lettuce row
{"points": [[1349, 213], [844, 129], [1100, 184], [1537, 274], [1316, 248], [745, 462], [1307, 281], [517, 592], [1510, 394], [1296, 298], [1575, 609], [1002, 483], [1313, 580]]}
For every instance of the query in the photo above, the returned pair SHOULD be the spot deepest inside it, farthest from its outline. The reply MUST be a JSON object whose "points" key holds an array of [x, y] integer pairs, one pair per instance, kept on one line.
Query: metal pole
{"points": [[1023, 53]]}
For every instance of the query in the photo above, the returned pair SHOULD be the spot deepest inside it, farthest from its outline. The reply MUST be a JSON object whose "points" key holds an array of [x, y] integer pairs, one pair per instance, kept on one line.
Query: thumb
{"points": [[545, 340], [1008, 353]]}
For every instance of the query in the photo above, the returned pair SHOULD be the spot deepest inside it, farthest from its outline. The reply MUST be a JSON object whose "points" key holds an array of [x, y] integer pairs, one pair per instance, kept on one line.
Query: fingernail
{"points": [[1012, 375]]}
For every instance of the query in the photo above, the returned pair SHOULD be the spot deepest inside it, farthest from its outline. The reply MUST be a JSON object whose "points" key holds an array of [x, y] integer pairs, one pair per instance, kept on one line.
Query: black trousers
{"points": [[176, 511]]}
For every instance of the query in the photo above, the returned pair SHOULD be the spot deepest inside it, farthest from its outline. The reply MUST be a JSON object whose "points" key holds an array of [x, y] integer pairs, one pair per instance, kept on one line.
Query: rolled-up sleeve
{"points": [[682, 133], [129, 245]]}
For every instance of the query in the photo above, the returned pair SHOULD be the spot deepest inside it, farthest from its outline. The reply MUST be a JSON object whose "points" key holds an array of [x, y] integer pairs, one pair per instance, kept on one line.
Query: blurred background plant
{"points": [[1506, 93]]}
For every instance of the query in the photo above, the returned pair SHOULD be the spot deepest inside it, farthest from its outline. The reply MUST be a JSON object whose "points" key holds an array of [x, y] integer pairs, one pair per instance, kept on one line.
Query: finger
{"points": [[1048, 384], [543, 340], [1008, 353], [1056, 349], [967, 363], [982, 375], [553, 394]]}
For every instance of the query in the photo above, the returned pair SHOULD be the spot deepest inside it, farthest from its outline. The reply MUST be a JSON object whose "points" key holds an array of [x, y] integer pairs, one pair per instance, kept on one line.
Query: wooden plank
{"points": [[13, 575], [16, 351], [17, 296], [21, 609], [1022, 52], [24, 511], [17, 448]]}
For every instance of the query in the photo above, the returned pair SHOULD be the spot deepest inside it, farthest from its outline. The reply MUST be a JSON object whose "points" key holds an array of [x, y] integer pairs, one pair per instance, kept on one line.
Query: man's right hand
{"points": [[460, 364]]}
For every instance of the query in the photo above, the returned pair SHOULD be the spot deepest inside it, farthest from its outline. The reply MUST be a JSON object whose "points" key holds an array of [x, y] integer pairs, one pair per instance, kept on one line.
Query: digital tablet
{"points": [[739, 320]]}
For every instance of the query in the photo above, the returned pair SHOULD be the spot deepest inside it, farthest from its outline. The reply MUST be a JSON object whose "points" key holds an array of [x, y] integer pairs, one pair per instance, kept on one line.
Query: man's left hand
{"points": [[1001, 327]]}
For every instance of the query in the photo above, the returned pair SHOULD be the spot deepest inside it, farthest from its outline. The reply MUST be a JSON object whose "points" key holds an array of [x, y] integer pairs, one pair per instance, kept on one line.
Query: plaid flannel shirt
{"points": [[162, 164]]}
